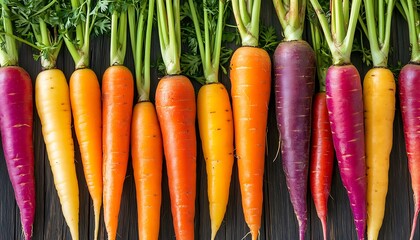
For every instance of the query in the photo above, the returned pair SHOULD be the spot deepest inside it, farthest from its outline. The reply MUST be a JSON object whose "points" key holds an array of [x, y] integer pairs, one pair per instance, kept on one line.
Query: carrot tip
{"points": [[413, 227]]}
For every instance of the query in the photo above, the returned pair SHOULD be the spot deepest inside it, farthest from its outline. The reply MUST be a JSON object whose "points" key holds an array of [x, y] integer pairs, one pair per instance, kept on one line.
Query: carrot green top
{"points": [[409, 9], [343, 25], [378, 29], [291, 14], [169, 28], [210, 46], [8, 49], [140, 42], [247, 16], [80, 19], [118, 32], [36, 24], [320, 45]]}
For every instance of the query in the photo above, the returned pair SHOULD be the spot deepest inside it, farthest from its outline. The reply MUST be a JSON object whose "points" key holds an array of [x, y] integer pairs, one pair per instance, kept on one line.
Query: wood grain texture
{"points": [[278, 220]]}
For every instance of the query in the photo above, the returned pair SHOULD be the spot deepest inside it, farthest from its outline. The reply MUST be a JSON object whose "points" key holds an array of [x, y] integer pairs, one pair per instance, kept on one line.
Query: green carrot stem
{"points": [[8, 55], [249, 32]]}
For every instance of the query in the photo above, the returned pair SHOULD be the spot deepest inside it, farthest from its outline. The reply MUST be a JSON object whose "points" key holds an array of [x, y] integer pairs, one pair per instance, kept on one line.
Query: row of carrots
{"points": [[356, 124]]}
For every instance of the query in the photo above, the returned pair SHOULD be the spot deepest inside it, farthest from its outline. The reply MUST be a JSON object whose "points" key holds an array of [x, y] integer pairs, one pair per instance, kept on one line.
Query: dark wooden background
{"points": [[278, 220]]}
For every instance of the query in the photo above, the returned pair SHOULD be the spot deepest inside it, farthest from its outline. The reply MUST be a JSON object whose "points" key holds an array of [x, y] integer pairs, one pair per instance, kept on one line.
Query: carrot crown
{"points": [[8, 49], [37, 24], [343, 26], [140, 42], [247, 16], [80, 19], [210, 46], [378, 29], [409, 9], [320, 45], [169, 28], [291, 14]]}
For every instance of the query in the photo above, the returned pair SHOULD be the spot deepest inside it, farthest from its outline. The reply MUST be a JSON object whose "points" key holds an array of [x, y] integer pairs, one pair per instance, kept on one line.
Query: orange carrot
{"points": [[251, 79], [146, 138], [147, 153], [85, 98], [250, 75], [85, 101], [176, 110], [117, 97]]}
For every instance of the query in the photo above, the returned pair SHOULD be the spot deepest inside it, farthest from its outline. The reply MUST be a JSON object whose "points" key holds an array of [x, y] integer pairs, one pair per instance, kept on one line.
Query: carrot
{"points": [[214, 111], [16, 124], [250, 75], [379, 104], [294, 67], [146, 137], [345, 104], [409, 98], [85, 98], [321, 166], [322, 154], [176, 110], [53, 105]]}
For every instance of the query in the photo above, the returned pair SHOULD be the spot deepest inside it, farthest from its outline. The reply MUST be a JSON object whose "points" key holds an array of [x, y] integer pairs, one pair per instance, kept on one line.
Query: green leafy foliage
{"points": [[268, 39], [191, 64]]}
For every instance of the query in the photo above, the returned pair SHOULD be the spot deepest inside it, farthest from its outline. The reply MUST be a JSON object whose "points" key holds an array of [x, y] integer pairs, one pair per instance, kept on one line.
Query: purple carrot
{"points": [[345, 107], [16, 120], [410, 110], [294, 63]]}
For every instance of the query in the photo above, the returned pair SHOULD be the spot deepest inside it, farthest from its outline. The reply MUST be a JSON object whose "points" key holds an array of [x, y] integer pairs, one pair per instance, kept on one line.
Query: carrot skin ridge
{"points": [[117, 105], [250, 76], [215, 123], [379, 104], [53, 106], [176, 110], [147, 155], [85, 99], [409, 101], [322, 159], [16, 124], [294, 67], [345, 107]]}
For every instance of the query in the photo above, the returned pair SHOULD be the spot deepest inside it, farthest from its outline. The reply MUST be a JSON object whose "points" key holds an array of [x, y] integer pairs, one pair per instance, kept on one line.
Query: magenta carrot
{"points": [[409, 102], [345, 104], [16, 124]]}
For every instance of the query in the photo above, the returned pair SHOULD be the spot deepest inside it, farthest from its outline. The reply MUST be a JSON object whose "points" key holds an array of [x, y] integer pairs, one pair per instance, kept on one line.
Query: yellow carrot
{"points": [[53, 105]]}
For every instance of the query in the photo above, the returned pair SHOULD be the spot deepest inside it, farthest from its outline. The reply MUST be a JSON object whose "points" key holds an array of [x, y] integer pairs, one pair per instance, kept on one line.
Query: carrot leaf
{"points": [[376, 22], [169, 29], [320, 46], [410, 10], [81, 18], [291, 14], [140, 36], [247, 19], [342, 26], [8, 48], [36, 24], [203, 27]]}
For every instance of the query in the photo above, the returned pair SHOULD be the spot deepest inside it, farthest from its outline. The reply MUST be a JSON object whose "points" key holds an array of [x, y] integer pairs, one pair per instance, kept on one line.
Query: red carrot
{"points": [[322, 156]]}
